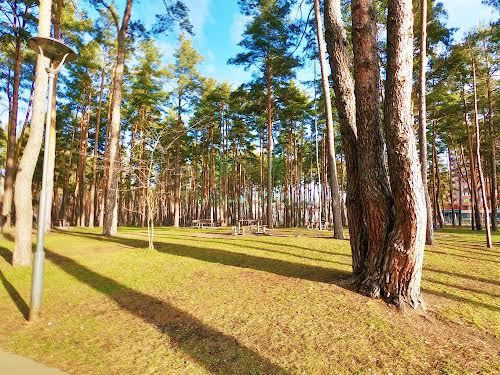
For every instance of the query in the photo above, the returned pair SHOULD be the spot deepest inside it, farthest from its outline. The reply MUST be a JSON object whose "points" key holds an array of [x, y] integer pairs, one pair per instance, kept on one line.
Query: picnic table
{"points": [[202, 223], [321, 225], [250, 224]]}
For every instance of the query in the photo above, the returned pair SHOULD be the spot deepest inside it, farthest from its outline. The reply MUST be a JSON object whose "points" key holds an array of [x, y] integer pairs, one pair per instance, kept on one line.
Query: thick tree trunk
{"points": [[110, 210], [482, 185], [422, 119], [375, 194], [493, 166], [343, 85], [332, 164], [403, 263], [23, 193]]}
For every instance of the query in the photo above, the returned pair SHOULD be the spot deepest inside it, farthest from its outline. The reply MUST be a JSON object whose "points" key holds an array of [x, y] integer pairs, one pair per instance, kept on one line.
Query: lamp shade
{"points": [[52, 48]]}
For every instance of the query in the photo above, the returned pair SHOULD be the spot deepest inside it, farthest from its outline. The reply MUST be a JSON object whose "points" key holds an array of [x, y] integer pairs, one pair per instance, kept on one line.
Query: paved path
{"points": [[13, 364]]}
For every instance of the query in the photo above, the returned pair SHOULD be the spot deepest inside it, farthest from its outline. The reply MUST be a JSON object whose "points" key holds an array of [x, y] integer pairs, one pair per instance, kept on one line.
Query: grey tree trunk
{"points": [[332, 164], [23, 194], [422, 119], [402, 267], [493, 166]]}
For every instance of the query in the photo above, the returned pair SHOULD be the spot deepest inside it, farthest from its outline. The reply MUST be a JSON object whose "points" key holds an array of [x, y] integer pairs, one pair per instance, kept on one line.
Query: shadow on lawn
{"points": [[6, 254], [14, 295], [212, 349]]}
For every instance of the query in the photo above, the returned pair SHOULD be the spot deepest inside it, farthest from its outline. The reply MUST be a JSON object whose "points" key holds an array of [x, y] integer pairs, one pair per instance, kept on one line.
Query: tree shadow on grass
{"points": [[6, 254], [232, 258], [214, 350], [21, 304]]}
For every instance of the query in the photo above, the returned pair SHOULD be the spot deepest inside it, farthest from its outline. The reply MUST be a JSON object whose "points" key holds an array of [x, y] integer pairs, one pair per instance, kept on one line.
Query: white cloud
{"points": [[238, 27], [199, 14]]}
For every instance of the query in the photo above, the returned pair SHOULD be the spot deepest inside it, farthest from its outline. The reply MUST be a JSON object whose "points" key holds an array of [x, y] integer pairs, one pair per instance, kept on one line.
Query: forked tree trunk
{"points": [[332, 164], [343, 85], [110, 209], [375, 194], [422, 119], [482, 185], [402, 267], [23, 194]]}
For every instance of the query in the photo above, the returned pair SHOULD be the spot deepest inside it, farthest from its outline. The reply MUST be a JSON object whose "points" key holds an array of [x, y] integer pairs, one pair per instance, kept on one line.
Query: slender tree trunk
{"points": [[110, 210], [23, 194], [343, 85], [475, 200], [93, 187], [450, 174], [493, 166], [375, 195], [333, 176], [10, 166], [422, 119], [482, 185], [270, 222], [405, 252]]}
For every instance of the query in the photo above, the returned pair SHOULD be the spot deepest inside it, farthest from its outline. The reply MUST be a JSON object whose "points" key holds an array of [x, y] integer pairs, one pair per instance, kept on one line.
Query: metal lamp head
{"points": [[51, 48]]}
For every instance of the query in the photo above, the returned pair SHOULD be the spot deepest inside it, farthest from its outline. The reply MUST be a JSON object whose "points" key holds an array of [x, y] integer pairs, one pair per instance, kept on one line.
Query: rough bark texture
{"points": [[343, 85], [24, 179], [422, 119], [332, 164], [482, 185], [375, 194], [403, 264], [110, 209]]}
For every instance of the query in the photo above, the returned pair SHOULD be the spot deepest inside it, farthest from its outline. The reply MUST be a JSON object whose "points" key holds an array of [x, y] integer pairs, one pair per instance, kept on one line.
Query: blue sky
{"points": [[218, 25]]}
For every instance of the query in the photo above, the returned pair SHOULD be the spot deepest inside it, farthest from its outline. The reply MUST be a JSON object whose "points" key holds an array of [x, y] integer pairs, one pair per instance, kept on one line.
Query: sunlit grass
{"points": [[206, 302]]}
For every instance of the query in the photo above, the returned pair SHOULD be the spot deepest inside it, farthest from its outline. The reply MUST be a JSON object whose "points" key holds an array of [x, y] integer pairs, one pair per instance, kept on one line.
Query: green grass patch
{"points": [[207, 302]]}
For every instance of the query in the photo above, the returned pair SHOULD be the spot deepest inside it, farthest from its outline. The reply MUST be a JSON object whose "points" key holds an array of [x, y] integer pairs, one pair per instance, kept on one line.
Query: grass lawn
{"points": [[207, 302]]}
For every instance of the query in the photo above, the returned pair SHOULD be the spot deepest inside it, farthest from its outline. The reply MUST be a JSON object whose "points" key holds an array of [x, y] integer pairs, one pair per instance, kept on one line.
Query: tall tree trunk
{"points": [[334, 181], [422, 119], [343, 85], [110, 210], [475, 200], [375, 195], [270, 222], [10, 165], [450, 174], [493, 165], [482, 185], [23, 194], [93, 187], [405, 252]]}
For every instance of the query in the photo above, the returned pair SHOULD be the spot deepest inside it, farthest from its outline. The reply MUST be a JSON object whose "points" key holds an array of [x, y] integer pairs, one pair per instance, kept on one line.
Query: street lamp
{"points": [[57, 53]]}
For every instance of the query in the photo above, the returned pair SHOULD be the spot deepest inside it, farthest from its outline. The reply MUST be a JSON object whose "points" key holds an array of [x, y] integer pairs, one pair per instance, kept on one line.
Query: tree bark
{"points": [[343, 85], [405, 251], [270, 222], [332, 164], [23, 193], [110, 212], [422, 119], [375, 194]]}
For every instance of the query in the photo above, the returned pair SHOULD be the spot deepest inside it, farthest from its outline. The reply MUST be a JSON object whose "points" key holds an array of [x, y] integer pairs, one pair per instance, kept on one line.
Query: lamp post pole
{"points": [[57, 53], [37, 281]]}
